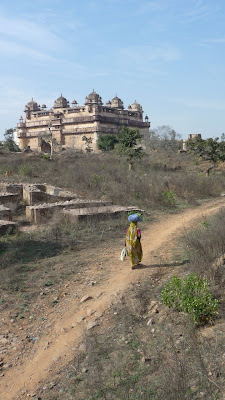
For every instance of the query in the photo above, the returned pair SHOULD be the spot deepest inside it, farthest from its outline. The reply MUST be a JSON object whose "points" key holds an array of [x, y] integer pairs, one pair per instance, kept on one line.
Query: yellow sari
{"points": [[133, 244]]}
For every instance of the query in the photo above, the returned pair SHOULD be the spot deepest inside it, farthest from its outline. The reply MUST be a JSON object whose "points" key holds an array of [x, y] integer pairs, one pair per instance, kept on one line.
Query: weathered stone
{"points": [[86, 298], [91, 324], [82, 348], [4, 341], [80, 318], [7, 227]]}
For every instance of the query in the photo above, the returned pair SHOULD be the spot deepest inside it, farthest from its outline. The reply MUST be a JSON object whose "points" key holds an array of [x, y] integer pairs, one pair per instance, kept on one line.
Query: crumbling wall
{"points": [[5, 213]]}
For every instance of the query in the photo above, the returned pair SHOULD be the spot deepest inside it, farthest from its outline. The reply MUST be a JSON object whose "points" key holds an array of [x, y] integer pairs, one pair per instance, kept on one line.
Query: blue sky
{"points": [[167, 55]]}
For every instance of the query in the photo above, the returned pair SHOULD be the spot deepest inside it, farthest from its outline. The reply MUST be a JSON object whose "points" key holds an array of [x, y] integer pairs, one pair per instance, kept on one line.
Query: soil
{"points": [[56, 337]]}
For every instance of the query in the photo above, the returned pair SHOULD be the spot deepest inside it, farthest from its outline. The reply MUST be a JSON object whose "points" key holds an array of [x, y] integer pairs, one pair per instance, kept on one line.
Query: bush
{"points": [[25, 170], [107, 142], [190, 295], [168, 197], [205, 248]]}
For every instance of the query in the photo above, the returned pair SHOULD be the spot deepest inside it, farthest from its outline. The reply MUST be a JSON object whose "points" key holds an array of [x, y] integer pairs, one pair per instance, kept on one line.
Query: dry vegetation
{"points": [[164, 179], [143, 354], [149, 352]]}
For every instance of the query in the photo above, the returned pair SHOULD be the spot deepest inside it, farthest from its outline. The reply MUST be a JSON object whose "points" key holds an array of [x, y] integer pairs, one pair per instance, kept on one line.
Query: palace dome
{"points": [[136, 107], [32, 106], [93, 98], [61, 102], [116, 102]]}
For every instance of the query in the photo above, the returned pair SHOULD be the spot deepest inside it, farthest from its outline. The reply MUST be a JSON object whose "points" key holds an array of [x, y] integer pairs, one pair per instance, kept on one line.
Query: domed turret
{"points": [[32, 106], [116, 102], [61, 102], [136, 107], [93, 98]]}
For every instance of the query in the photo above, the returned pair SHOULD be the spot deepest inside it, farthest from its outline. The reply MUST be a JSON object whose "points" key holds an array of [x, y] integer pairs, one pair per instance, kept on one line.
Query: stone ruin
{"points": [[44, 202]]}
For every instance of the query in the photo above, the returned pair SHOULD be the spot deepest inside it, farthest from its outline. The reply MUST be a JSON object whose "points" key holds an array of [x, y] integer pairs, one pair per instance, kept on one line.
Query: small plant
{"points": [[25, 170], [168, 197], [45, 157], [190, 295], [48, 283], [88, 142]]}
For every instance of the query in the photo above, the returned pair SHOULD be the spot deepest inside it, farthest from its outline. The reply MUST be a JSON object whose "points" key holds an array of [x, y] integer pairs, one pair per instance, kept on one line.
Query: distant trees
{"points": [[9, 140], [208, 150], [163, 137]]}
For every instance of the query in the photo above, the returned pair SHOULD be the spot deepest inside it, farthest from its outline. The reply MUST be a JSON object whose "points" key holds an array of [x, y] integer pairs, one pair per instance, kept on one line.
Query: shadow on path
{"points": [[174, 264]]}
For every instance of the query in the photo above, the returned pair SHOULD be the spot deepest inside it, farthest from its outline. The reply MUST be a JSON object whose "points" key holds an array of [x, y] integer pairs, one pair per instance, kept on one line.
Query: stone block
{"points": [[42, 213], [10, 200], [5, 213], [7, 227], [104, 211]]}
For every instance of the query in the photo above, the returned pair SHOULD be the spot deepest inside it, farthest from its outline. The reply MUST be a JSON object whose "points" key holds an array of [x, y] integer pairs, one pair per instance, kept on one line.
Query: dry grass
{"points": [[160, 180], [132, 359]]}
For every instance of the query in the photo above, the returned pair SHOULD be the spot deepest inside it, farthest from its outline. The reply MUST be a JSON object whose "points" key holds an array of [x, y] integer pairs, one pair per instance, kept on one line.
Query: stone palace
{"points": [[67, 124]]}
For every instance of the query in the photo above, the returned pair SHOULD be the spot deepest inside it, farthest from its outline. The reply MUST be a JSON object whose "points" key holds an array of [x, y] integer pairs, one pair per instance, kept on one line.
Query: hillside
{"points": [[122, 342]]}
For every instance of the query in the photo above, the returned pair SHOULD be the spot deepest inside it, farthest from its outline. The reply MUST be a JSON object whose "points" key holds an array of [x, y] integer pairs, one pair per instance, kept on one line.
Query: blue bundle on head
{"points": [[134, 217]]}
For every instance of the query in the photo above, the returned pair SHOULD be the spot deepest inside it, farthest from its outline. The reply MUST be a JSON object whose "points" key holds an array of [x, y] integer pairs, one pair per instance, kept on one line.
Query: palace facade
{"points": [[68, 124]]}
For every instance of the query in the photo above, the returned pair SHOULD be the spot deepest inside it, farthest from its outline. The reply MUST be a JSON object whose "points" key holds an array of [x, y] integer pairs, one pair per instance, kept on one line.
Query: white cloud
{"points": [[25, 31]]}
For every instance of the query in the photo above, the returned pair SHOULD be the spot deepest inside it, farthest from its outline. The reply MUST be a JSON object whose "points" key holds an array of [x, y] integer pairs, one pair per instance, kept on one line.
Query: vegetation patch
{"points": [[192, 296]]}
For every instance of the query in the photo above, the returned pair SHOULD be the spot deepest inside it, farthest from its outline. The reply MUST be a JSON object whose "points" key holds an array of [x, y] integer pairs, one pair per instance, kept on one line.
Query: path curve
{"points": [[66, 333]]}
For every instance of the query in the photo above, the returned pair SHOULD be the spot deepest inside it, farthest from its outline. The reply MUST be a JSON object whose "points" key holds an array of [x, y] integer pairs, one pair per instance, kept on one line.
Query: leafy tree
{"points": [[88, 142], [107, 142], [208, 150], [127, 145], [9, 141], [223, 137]]}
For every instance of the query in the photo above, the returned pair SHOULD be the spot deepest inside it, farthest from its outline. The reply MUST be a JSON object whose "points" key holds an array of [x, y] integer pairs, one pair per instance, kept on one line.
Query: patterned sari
{"points": [[133, 243]]}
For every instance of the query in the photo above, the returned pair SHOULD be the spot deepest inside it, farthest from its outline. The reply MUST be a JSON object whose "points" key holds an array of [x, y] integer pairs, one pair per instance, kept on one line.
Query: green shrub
{"points": [[190, 295], [168, 197], [107, 142], [25, 170]]}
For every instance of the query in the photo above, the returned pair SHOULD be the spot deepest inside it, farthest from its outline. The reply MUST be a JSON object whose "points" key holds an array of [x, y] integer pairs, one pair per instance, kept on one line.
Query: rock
{"points": [[90, 312], [86, 298], [98, 314], [92, 283], [80, 318], [150, 322], [5, 366], [145, 360], [4, 341], [82, 348], [91, 325], [84, 370]]}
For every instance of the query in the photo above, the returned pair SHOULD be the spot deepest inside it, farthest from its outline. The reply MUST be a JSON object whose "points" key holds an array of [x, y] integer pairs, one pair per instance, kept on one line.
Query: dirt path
{"points": [[56, 347]]}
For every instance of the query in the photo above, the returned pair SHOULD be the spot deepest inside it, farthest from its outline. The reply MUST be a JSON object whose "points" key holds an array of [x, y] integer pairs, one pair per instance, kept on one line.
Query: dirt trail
{"points": [[57, 348]]}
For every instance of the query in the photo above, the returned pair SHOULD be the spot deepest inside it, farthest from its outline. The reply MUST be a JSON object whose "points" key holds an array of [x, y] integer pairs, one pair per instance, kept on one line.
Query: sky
{"points": [[167, 55]]}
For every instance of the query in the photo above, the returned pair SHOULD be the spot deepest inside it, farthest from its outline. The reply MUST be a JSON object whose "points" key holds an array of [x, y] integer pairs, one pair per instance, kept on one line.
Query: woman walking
{"points": [[133, 240]]}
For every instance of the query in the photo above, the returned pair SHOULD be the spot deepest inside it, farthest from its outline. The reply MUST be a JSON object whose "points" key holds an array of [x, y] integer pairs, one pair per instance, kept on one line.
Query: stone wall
{"points": [[44, 212], [5, 213]]}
